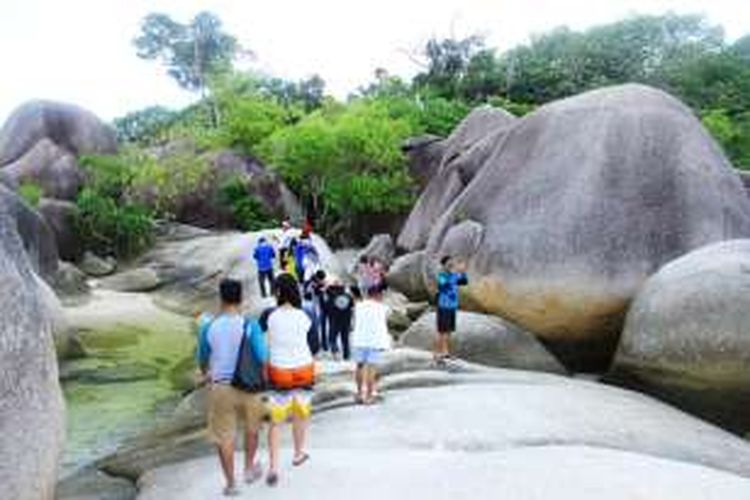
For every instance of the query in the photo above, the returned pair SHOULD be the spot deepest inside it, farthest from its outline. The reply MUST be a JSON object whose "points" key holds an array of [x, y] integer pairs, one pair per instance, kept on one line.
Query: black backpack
{"points": [[249, 375]]}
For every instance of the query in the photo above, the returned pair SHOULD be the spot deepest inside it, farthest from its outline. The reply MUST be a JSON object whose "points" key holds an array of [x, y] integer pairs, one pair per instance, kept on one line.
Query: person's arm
{"points": [[203, 354], [258, 342], [462, 279]]}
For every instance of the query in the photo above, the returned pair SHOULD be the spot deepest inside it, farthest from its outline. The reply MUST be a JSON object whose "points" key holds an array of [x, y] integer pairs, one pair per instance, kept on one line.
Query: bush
{"points": [[30, 192], [248, 212], [109, 227]]}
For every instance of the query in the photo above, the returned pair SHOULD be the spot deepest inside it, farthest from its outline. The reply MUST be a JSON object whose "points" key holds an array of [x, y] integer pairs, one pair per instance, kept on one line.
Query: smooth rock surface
{"points": [[96, 266], [406, 276], [31, 405], [71, 127], [61, 218], [687, 334], [591, 441], [142, 279], [486, 340]]}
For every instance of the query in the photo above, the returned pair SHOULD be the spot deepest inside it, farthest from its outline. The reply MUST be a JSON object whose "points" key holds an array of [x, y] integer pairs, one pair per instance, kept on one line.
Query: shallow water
{"points": [[133, 375]]}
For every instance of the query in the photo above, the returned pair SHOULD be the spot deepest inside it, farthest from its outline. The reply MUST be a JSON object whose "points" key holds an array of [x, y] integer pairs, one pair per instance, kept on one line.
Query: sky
{"points": [[81, 51]]}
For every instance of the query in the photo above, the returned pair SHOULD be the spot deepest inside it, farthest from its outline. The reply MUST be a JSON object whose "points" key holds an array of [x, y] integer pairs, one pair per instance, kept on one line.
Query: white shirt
{"points": [[287, 338], [371, 325]]}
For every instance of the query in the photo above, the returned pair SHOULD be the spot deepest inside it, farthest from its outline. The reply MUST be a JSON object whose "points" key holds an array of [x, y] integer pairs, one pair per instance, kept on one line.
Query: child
{"points": [[369, 338], [449, 279]]}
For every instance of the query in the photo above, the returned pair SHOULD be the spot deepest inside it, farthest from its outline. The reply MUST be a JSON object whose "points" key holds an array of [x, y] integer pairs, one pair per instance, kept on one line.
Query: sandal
{"points": [[231, 491], [272, 479], [300, 460]]}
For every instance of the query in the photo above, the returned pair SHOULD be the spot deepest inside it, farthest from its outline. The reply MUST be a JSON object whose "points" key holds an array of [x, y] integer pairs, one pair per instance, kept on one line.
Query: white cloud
{"points": [[80, 50]]}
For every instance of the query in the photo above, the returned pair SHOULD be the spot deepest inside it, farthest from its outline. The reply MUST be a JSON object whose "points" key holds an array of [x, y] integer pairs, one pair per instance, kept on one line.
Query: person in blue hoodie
{"points": [[264, 256], [452, 276]]}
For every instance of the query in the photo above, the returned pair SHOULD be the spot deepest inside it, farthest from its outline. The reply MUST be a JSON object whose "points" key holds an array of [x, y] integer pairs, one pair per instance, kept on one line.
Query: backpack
{"points": [[249, 375]]}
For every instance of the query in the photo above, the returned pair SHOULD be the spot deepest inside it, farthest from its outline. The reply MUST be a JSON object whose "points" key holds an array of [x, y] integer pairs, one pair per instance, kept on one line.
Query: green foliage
{"points": [[31, 192], [147, 126], [346, 160], [515, 108], [109, 227], [247, 210]]}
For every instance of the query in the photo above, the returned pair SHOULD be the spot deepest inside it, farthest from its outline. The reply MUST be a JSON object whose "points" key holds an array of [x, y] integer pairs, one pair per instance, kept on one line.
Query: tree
{"points": [[446, 63], [146, 126], [190, 51]]}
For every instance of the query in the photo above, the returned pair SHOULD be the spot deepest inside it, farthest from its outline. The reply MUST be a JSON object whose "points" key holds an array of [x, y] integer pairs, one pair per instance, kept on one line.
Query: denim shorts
{"points": [[367, 355]]}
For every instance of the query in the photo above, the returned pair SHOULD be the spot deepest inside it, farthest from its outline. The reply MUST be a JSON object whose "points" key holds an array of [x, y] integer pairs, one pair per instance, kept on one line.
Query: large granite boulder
{"points": [[687, 334], [61, 217], [464, 152], [381, 246], [31, 405], [424, 154], [494, 430], [578, 204], [406, 276], [49, 166], [71, 128], [486, 340], [205, 206], [36, 235]]}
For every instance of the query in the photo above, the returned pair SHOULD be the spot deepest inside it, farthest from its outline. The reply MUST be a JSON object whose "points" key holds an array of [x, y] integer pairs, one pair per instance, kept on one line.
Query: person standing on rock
{"points": [[291, 372], [452, 275], [370, 338], [340, 307], [264, 256], [221, 340]]}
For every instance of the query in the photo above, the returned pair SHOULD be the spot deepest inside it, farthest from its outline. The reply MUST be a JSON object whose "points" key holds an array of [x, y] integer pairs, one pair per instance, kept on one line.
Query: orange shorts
{"points": [[292, 378]]}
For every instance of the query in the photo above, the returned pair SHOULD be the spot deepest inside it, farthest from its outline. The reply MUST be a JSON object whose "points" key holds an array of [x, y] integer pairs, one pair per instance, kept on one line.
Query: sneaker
{"points": [[253, 474]]}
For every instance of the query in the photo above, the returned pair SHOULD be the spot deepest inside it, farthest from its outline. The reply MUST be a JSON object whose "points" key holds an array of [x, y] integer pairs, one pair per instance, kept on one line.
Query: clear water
{"points": [[100, 416]]}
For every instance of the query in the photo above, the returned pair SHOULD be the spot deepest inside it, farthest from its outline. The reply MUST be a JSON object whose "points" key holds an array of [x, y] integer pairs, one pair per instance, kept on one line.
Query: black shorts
{"points": [[446, 320]]}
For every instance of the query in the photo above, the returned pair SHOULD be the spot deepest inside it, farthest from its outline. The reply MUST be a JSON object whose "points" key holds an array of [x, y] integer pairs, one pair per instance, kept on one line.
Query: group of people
{"points": [[263, 369]]}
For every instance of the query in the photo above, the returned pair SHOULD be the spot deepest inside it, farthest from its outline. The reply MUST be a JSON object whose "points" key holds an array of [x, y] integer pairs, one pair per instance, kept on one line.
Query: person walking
{"points": [[224, 340], [291, 372], [370, 338], [264, 256], [452, 275], [340, 308]]}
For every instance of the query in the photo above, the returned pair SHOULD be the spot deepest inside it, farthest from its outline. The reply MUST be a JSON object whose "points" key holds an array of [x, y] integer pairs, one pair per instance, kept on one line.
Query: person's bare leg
{"points": [[226, 457], [251, 449], [299, 434], [274, 434], [370, 377], [359, 377]]}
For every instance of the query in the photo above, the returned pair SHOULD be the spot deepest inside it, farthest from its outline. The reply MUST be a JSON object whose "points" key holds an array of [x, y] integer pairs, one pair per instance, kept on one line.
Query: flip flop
{"points": [[300, 460], [272, 479], [231, 491]]}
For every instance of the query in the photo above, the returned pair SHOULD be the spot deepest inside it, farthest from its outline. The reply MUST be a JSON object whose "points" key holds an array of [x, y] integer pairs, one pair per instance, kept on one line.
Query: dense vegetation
{"points": [[344, 159]]}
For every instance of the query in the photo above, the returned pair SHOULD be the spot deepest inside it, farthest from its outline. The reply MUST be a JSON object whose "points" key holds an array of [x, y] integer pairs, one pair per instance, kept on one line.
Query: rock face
{"points": [[70, 127], [406, 276], [463, 152], [143, 279], [424, 153], [50, 167], [203, 207], [687, 334], [96, 266], [578, 204], [60, 216], [486, 340], [380, 246], [37, 237], [592, 441], [31, 405]]}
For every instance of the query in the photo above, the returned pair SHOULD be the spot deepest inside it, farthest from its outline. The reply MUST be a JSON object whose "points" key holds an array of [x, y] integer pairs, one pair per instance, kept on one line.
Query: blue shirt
{"points": [[219, 344], [264, 256], [448, 284]]}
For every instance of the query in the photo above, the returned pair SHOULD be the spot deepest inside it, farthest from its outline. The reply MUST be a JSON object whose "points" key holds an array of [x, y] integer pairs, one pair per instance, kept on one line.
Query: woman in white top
{"points": [[291, 372], [369, 339]]}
